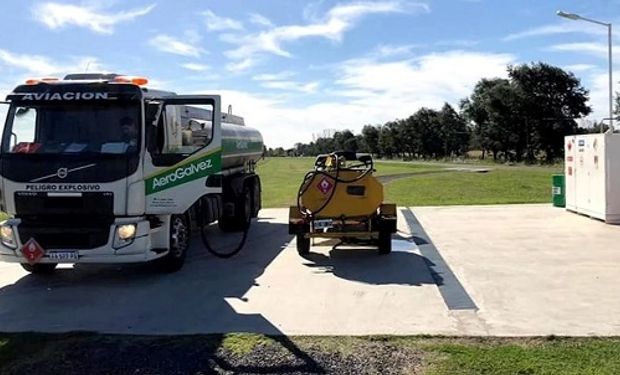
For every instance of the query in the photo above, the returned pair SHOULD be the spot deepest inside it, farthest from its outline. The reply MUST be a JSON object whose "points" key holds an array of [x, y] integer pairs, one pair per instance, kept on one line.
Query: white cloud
{"points": [[576, 68], [218, 23], [242, 65], [282, 81], [273, 76], [558, 28], [368, 91], [388, 50], [332, 26], [428, 80], [458, 43], [57, 15], [596, 49], [307, 88], [16, 67], [599, 94], [38, 65], [196, 67], [170, 44], [259, 19]]}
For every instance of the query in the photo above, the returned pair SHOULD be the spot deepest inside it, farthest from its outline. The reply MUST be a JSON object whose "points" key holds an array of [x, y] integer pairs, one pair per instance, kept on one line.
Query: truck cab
{"points": [[97, 168]]}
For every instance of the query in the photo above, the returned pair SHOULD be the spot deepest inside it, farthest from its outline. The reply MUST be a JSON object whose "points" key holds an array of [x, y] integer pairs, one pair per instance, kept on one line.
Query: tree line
{"points": [[520, 118]]}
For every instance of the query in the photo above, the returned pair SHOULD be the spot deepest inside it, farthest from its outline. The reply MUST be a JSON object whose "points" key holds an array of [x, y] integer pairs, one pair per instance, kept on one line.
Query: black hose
{"points": [[205, 239], [310, 176]]}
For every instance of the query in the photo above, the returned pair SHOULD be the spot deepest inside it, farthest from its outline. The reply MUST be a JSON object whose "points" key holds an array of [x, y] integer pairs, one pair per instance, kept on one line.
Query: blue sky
{"points": [[294, 68]]}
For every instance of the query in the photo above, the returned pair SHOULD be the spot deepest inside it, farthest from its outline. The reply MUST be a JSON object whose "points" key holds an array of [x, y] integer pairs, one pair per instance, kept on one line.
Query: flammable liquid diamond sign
{"points": [[32, 251], [325, 186]]}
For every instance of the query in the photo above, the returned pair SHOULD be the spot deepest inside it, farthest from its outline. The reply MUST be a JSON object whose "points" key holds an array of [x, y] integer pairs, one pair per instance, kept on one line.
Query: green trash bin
{"points": [[557, 190]]}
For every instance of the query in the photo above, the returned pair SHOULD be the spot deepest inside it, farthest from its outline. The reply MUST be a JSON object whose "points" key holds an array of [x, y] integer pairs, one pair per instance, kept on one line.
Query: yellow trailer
{"points": [[340, 198]]}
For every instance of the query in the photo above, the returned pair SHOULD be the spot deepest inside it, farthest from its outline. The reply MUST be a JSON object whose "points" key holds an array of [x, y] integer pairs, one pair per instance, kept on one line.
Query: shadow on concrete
{"points": [[367, 266], [136, 299]]}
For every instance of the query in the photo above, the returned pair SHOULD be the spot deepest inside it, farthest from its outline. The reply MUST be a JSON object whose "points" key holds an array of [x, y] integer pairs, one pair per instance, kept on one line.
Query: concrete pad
{"points": [[532, 269], [266, 288]]}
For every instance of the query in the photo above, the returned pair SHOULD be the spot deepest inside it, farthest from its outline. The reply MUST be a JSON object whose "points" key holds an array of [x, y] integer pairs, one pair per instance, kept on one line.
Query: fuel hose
{"points": [[220, 253], [309, 177]]}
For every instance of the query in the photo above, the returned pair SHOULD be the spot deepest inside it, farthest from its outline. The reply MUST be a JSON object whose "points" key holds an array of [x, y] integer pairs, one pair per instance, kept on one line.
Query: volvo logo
{"points": [[62, 172]]}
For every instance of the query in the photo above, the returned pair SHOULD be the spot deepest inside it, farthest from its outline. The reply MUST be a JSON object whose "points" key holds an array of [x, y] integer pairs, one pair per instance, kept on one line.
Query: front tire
{"points": [[303, 245], [40, 268], [178, 245]]}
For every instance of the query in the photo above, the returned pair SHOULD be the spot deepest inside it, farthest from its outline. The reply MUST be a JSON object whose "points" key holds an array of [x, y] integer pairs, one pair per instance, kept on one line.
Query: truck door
{"points": [[4, 110], [183, 149]]}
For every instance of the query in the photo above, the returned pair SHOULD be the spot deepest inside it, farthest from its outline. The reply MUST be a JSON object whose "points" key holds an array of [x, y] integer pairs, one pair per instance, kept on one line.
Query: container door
{"points": [[596, 165], [569, 171], [582, 185], [183, 138]]}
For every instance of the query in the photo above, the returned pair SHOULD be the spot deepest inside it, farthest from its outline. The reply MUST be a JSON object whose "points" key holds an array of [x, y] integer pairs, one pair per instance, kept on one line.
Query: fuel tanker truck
{"points": [[99, 168]]}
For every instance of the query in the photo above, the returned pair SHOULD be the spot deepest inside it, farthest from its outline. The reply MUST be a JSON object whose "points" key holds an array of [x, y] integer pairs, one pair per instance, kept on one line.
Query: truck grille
{"points": [[68, 235], [41, 203]]}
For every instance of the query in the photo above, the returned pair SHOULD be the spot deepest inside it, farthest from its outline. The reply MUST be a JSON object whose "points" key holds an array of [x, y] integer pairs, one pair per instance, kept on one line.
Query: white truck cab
{"points": [[98, 168]]}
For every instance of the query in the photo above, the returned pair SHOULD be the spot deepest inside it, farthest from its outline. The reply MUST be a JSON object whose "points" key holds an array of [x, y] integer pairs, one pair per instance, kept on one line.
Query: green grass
{"points": [[559, 356], [503, 184], [244, 343], [498, 186], [77, 353]]}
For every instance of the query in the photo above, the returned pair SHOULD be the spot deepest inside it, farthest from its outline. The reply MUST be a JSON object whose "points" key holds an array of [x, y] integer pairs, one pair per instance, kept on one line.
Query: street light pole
{"points": [[575, 17]]}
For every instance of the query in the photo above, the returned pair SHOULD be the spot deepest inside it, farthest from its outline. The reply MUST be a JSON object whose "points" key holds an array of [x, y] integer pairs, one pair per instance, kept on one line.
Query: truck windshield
{"points": [[72, 128]]}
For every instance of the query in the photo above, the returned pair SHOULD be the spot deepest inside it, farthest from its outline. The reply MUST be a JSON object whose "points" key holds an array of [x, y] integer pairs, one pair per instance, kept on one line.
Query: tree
{"points": [[424, 131], [453, 131], [370, 135], [386, 140], [477, 110], [552, 99]]}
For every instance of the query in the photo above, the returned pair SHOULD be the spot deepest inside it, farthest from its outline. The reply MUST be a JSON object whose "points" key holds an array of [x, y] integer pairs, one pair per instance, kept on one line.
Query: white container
{"points": [[592, 175]]}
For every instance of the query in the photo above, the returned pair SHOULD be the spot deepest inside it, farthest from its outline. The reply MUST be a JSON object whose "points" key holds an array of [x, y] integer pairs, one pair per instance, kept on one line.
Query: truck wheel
{"points": [[303, 245], [178, 245], [256, 199], [243, 214], [385, 241], [40, 268]]}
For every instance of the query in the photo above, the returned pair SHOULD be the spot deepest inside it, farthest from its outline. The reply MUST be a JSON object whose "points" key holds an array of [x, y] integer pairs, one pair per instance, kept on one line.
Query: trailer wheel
{"points": [[303, 245], [385, 241], [178, 245], [40, 268]]}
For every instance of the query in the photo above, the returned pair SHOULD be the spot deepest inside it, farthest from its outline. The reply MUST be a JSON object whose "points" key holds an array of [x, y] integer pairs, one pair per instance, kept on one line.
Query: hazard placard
{"points": [[32, 251], [325, 185]]}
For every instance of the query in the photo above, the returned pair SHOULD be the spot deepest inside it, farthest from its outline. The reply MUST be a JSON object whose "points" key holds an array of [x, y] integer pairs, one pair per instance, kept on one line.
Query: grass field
{"points": [[434, 184], [82, 353]]}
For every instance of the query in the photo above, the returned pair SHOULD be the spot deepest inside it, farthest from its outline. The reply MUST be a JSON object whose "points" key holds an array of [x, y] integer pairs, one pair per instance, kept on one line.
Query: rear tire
{"points": [[243, 214], [40, 268], [303, 245], [178, 245], [385, 242]]}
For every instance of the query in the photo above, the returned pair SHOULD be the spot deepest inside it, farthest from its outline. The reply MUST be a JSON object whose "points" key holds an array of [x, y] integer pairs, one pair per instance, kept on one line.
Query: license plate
{"points": [[322, 224], [63, 255]]}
